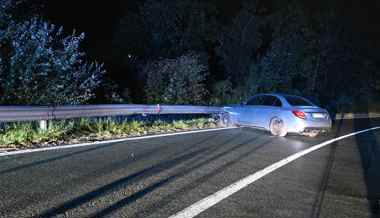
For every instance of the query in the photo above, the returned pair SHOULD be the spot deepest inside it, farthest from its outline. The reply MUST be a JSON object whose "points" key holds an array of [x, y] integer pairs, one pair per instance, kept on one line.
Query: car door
{"points": [[270, 106], [248, 115]]}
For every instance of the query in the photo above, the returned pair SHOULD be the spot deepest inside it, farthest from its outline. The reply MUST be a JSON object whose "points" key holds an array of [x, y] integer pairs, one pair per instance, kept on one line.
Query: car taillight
{"points": [[299, 114]]}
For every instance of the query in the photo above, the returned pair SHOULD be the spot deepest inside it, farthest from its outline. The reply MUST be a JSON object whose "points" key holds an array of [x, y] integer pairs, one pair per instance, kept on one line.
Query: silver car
{"points": [[280, 114]]}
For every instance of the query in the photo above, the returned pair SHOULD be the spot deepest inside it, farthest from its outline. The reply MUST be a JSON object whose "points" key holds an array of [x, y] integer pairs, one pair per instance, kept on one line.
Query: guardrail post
{"points": [[43, 125], [223, 119]]}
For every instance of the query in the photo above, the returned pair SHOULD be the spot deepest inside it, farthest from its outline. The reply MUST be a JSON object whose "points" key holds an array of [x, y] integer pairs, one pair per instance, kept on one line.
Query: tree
{"points": [[183, 26], [4, 7], [176, 81], [287, 66], [292, 62], [39, 65], [239, 42], [311, 54], [17, 10], [162, 29], [222, 92]]}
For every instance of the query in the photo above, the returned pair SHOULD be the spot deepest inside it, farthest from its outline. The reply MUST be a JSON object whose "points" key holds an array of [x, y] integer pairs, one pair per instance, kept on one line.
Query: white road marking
{"points": [[11, 153], [224, 193]]}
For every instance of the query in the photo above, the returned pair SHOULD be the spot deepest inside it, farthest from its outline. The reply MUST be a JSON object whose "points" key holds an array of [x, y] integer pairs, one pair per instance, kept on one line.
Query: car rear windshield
{"points": [[297, 101]]}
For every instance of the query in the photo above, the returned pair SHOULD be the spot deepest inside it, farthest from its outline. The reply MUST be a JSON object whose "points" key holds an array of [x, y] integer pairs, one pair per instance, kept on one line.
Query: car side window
{"points": [[268, 101], [277, 102], [271, 101], [297, 101], [255, 101]]}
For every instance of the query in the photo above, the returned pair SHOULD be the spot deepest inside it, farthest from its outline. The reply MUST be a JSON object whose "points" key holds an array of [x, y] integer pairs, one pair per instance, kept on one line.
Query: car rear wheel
{"points": [[277, 127]]}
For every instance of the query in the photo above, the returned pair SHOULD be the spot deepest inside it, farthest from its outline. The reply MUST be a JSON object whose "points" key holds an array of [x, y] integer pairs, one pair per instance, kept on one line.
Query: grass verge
{"points": [[27, 135]]}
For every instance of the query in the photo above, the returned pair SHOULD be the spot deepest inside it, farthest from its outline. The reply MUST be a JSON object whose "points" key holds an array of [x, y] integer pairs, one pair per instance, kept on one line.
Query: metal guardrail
{"points": [[36, 113], [44, 113]]}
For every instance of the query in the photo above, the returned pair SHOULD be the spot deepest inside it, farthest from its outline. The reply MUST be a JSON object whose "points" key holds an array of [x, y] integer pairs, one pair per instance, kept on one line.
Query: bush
{"points": [[25, 134], [222, 93], [39, 65], [176, 81]]}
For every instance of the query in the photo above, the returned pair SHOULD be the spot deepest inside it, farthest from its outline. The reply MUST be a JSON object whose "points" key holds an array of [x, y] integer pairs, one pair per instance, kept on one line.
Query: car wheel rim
{"points": [[313, 134], [277, 126]]}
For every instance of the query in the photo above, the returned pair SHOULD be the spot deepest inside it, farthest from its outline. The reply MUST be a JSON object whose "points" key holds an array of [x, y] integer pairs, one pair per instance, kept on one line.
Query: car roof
{"points": [[279, 95]]}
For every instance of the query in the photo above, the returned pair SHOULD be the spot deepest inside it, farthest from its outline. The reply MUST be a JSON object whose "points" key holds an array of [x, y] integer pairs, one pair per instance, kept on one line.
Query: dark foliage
{"points": [[177, 81], [39, 64], [326, 50], [273, 46]]}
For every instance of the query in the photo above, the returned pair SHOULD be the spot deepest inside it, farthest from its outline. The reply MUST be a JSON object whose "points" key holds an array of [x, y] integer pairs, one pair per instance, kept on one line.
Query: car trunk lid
{"points": [[313, 112]]}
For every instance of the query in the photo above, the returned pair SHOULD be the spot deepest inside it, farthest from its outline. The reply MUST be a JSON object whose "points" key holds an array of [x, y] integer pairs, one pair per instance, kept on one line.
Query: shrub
{"points": [[222, 92], [39, 65], [176, 81]]}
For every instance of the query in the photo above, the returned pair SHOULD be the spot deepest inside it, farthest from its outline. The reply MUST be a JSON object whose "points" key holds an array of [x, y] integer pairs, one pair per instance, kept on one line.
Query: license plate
{"points": [[319, 115]]}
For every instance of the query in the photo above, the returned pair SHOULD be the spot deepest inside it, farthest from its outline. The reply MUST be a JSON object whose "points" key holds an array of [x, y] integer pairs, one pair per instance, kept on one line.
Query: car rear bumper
{"points": [[311, 129], [305, 126]]}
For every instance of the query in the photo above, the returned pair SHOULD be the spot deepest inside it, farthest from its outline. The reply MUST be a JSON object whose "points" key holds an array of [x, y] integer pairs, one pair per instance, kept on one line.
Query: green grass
{"points": [[23, 135]]}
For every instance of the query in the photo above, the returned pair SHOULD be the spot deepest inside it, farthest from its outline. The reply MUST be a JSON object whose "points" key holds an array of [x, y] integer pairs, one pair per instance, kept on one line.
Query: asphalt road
{"points": [[162, 176]]}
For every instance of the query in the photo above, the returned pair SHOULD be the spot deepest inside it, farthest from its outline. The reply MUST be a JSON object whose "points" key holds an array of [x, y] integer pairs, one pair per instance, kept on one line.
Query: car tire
{"points": [[277, 127]]}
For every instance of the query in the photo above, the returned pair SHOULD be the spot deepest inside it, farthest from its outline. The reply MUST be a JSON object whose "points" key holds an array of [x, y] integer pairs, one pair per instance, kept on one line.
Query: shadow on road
{"points": [[317, 205], [60, 157], [151, 209], [120, 183], [187, 169], [369, 149], [71, 154], [122, 163]]}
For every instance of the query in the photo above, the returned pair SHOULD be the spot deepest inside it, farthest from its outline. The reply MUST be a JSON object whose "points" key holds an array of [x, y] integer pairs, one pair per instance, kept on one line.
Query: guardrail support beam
{"points": [[43, 125]]}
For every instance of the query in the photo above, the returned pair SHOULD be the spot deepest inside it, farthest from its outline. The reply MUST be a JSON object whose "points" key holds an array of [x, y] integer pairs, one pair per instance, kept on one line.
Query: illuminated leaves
{"points": [[180, 80], [42, 66]]}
